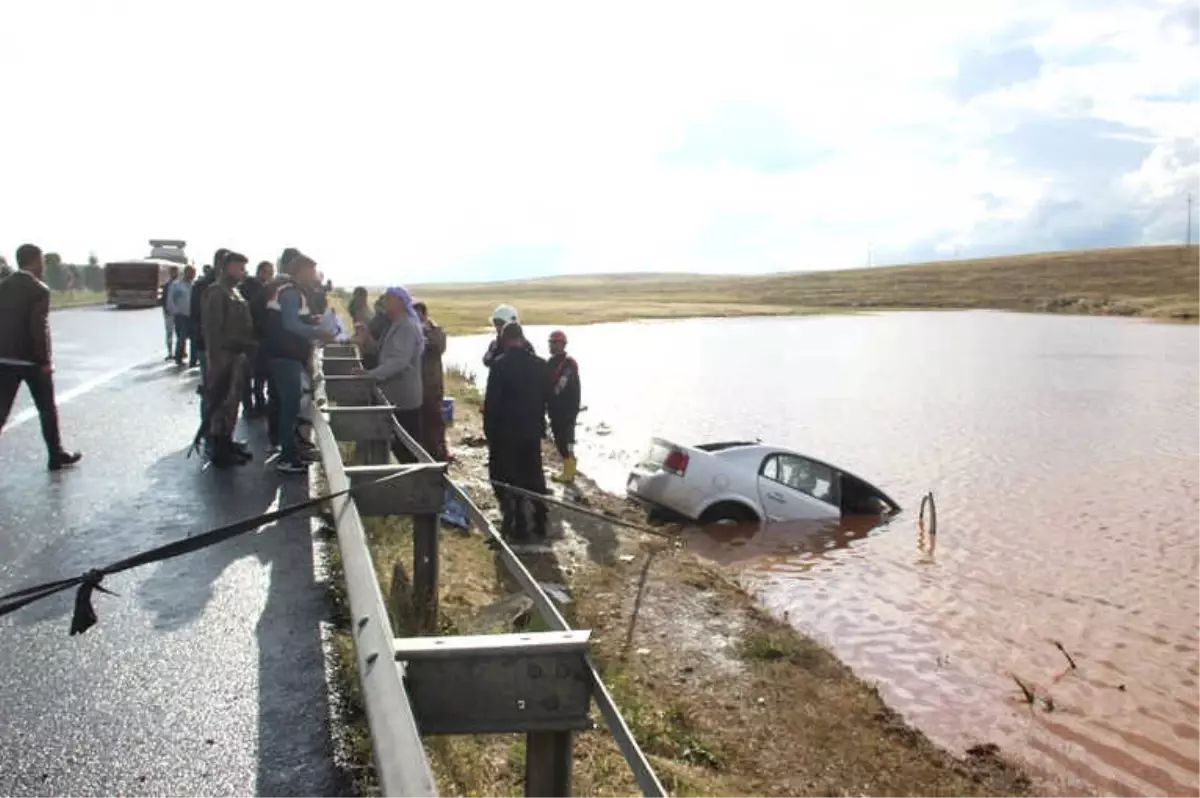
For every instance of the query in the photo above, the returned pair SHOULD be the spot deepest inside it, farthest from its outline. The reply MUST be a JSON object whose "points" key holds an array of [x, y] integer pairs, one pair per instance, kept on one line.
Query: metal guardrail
{"points": [[540, 699], [400, 761]]}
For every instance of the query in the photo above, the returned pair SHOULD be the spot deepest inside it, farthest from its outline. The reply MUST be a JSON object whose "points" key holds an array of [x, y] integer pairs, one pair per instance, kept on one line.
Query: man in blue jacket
{"points": [[288, 342]]}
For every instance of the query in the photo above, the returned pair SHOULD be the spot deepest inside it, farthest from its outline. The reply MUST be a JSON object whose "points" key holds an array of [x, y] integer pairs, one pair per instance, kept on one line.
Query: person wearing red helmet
{"points": [[563, 403]]}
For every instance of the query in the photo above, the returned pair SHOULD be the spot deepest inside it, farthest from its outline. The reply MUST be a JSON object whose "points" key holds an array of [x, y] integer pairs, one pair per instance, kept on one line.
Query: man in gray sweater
{"points": [[398, 372]]}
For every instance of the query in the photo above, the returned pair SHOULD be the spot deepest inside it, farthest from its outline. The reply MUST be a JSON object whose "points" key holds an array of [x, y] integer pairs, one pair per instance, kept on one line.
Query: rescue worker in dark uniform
{"points": [[502, 315], [562, 405], [514, 418], [229, 344]]}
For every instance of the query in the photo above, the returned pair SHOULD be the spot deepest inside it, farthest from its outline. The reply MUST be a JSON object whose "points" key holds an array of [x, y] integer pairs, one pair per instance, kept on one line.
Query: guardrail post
{"points": [[377, 452], [425, 571], [548, 756]]}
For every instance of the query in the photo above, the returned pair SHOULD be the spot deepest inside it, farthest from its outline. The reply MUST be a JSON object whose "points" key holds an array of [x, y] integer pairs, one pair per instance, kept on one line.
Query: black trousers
{"points": [[258, 381], [562, 427], [411, 421], [518, 463], [41, 387]]}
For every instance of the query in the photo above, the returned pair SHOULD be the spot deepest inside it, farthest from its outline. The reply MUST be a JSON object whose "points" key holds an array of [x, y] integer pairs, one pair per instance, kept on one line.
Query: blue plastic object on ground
{"points": [[454, 512]]}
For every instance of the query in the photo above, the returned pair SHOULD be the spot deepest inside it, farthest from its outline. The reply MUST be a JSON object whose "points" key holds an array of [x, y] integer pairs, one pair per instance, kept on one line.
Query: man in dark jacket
{"points": [[25, 349], [514, 417], [254, 394], [563, 403]]}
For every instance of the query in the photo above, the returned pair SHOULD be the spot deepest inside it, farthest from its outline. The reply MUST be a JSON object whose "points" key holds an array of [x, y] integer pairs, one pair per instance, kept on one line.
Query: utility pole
{"points": [[1189, 221]]}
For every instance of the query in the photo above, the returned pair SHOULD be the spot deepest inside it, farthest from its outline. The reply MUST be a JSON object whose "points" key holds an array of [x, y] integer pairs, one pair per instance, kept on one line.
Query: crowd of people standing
{"points": [[253, 339]]}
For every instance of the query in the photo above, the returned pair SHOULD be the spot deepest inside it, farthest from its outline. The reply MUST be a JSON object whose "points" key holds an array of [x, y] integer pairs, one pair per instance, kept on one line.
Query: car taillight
{"points": [[676, 462]]}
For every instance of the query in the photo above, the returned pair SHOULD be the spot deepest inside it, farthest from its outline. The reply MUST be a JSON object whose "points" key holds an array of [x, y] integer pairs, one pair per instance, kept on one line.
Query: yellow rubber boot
{"points": [[568, 472]]}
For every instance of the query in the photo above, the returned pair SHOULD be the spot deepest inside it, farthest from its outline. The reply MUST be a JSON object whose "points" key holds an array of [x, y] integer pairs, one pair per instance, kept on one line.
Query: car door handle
{"points": [[775, 496]]}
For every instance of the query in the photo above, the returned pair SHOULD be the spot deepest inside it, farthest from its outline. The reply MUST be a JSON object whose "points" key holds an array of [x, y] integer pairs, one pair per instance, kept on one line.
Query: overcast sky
{"points": [[412, 142]]}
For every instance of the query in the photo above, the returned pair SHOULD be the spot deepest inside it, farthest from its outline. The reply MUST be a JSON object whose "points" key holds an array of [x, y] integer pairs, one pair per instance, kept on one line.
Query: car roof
{"points": [[755, 453]]}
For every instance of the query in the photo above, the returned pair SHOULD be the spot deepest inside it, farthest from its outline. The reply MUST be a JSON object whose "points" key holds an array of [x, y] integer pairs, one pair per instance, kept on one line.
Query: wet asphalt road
{"points": [[205, 676]]}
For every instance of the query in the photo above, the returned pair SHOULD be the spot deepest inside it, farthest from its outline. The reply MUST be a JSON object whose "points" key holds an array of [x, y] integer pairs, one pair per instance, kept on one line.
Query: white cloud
{"points": [[410, 142]]}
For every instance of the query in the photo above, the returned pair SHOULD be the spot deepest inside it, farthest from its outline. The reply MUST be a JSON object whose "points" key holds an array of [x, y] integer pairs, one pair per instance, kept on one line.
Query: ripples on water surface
{"points": [[1063, 452]]}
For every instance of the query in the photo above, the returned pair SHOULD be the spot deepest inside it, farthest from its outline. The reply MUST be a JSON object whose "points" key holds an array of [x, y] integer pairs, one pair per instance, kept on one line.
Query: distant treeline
{"points": [[66, 276]]}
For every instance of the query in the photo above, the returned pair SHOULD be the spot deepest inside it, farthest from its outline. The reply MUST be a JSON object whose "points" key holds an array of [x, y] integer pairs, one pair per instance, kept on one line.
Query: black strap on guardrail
{"points": [[84, 616]]}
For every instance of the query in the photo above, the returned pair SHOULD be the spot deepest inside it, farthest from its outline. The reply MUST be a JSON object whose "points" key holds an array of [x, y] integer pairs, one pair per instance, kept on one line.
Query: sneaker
{"points": [[291, 467], [242, 451], [63, 459]]}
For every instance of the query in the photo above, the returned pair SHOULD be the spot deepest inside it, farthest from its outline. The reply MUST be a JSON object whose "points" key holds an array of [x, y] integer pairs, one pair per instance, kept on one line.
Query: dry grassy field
{"points": [[1159, 282]]}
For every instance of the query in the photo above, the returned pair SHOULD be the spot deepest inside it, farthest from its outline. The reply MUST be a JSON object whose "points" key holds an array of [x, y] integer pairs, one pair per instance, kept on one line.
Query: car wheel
{"points": [[728, 513]]}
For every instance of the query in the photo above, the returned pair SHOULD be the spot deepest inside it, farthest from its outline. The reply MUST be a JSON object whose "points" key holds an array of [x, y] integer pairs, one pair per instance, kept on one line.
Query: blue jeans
{"points": [[285, 373]]}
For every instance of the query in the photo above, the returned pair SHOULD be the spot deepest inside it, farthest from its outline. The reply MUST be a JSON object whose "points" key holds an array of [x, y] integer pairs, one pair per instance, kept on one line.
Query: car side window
{"points": [[770, 468], [806, 476]]}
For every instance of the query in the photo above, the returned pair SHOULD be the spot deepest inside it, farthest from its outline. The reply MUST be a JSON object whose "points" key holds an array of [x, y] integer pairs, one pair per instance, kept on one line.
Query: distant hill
{"points": [[1153, 281]]}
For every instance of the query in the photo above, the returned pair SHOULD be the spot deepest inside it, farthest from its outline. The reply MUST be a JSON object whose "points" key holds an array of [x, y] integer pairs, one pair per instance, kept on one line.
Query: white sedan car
{"points": [[744, 482]]}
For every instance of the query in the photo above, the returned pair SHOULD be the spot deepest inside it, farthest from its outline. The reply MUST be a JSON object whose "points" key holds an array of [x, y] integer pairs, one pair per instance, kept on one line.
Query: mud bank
{"points": [[724, 699]]}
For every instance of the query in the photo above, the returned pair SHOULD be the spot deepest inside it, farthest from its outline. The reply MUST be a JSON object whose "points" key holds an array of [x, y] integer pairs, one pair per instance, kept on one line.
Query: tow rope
{"points": [[576, 508], [84, 615]]}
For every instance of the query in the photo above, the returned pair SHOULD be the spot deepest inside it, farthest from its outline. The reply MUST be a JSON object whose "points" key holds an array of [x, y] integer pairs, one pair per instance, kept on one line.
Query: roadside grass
{"points": [[70, 299]]}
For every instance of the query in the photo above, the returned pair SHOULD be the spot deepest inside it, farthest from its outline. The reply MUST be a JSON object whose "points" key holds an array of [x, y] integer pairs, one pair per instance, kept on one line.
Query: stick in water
{"points": [[1059, 646], [1030, 696]]}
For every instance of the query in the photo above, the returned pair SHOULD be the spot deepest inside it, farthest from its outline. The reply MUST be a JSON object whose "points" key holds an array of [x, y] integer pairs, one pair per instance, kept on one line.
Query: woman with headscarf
{"points": [[399, 353]]}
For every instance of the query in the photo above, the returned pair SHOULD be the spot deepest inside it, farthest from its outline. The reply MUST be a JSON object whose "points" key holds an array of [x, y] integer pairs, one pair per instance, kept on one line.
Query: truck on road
{"points": [[138, 283]]}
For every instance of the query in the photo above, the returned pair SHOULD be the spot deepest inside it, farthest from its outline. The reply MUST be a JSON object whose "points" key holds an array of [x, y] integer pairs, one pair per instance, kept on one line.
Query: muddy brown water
{"points": [[1063, 453]]}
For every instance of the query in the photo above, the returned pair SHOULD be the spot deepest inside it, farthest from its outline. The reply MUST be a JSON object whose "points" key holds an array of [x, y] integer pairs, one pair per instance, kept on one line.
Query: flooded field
{"points": [[1063, 452]]}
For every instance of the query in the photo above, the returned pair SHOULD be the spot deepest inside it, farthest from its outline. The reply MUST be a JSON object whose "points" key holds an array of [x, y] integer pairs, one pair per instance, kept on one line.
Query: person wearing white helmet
{"points": [[502, 315]]}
